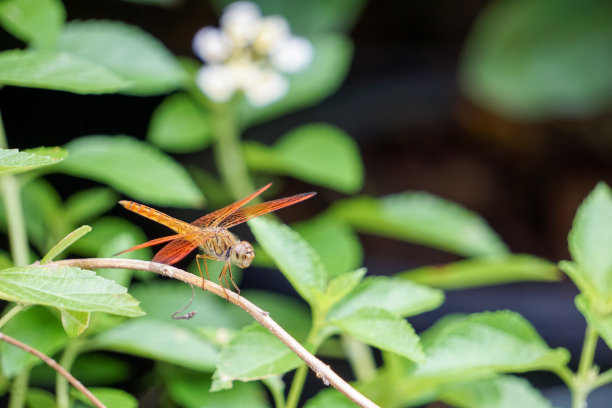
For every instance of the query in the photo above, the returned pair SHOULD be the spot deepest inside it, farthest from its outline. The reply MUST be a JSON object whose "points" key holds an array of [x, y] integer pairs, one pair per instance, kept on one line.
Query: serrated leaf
{"points": [[503, 391], [74, 322], [485, 343], [589, 241], [58, 71], [477, 272], [132, 167], [37, 22], [384, 330], [65, 243], [48, 337], [317, 153], [85, 205], [12, 161], [66, 288], [179, 125], [340, 286], [397, 296], [110, 397], [525, 59], [160, 340], [254, 353], [422, 218], [602, 323], [127, 51], [332, 58], [294, 257], [335, 242]]}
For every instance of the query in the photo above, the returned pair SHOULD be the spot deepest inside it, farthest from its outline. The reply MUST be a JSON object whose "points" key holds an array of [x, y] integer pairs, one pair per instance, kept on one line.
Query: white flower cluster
{"points": [[248, 53]]}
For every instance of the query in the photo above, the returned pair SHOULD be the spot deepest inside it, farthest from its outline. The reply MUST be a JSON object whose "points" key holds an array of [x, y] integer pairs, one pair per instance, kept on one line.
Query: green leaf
{"points": [[396, 296], [160, 340], [335, 242], [332, 58], [66, 288], [92, 368], [179, 125], [503, 391], [37, 22], [477, 272], [37, 398], [422, 218], [12, 161], [340, 286], [110, 397], [59, 71], [132, 167], [74, 322], [317, 153], [107, 229], [191, 390], [384, 330], [589, 242], [525, 59], [36, 327], [254, 353], [602, 323], [486, 343], [294, 257], [329, 398], [127, 51], [86, 205], [65, 243]]}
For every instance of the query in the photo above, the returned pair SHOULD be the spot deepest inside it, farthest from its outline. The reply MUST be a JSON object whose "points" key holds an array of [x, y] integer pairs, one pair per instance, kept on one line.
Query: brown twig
{"points": [[322, 370], [54, 365]]}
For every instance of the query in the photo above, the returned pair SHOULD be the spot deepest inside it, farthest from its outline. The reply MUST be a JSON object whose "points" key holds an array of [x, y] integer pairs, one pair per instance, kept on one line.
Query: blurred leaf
{"points": [[37, 398], [110, 397], [107, 229], [329, 398], [85, 205], [254, 353], [159, 340], [340, 286], [503, 391], [74, 323], [384, 330], [396, 296], [132, 167], [589, 242], [12, 161], [485, 343], [334, 241], [89, 368], [191, 390], [37, 22], [526, 59], [317, 153], [422, 218], [58, 71], [161, 3], [601, 323], [332, 58], [66, 287], [477, 272], [179, 125], [65, 243], [126, 50], [294, 257], [47, 337]]}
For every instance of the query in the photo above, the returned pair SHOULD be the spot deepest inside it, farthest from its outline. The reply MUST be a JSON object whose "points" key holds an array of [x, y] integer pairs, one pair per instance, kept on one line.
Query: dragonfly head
{"points": [[242, 254]]}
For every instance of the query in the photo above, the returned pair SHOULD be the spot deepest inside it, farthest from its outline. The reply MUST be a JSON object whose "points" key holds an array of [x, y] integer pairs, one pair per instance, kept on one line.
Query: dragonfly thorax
{"points": [[242, 254]]}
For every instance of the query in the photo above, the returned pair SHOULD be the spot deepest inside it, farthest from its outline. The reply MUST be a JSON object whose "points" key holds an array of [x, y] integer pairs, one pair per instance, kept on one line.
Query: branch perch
{"points": [[322, 370]]}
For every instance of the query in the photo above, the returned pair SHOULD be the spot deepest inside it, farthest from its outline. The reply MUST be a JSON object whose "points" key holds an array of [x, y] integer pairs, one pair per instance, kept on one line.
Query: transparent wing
{"points": [[151, 243], [175, 251]]}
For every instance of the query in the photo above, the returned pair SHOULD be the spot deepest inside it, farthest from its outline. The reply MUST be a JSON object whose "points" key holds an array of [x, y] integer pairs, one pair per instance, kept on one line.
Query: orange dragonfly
{"points": [[210, 233]]}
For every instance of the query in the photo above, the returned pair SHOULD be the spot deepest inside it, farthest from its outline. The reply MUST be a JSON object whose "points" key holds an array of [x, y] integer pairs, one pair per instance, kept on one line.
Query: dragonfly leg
{"points": [[232, 280], [223, 276], [204, 257]]}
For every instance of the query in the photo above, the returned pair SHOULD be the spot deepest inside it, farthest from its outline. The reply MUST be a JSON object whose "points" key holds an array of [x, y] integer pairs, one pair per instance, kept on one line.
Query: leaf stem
{"points": [[19, 389], [360, 357], [586, 376], [61, 383]]}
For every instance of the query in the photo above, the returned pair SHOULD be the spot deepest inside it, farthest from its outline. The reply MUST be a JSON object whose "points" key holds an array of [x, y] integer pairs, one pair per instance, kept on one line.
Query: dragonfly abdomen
{"points": [[157, 216]]}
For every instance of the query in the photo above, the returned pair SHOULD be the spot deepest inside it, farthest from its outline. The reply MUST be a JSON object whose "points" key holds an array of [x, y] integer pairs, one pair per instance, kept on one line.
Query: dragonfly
{"points": [[210, 233]]}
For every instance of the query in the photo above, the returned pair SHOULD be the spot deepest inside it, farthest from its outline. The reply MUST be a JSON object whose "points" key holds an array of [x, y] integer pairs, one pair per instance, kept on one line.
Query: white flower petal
{"points": [[212, 45], [217, 82], [272, 31], [268, 87], [241, 21], [245, 71], [292, 55]]}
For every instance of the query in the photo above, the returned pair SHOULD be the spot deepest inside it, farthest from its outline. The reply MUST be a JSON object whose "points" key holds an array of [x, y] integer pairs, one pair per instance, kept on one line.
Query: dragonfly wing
{"points": [[176, 250], [151, 243], [215, 218], [244, 214]]}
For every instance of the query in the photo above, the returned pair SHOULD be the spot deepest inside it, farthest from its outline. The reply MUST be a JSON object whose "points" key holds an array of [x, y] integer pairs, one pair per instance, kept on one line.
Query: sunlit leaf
{"points": [[37, 22], [125, 50], [58, 71], [74, 322], [132, 167], [12, 161], [65, 243]]}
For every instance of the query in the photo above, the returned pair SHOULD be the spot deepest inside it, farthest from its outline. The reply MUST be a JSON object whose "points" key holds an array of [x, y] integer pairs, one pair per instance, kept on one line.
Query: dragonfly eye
{"points": [[242, 254]]}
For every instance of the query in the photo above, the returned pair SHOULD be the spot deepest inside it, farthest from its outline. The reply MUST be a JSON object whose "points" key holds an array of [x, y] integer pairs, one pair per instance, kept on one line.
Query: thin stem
{"points": [[585, 377], [19, 388], [61, 383], [297, 385], [322, 370], [11, 313], [603, 379], [360, 357]]}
